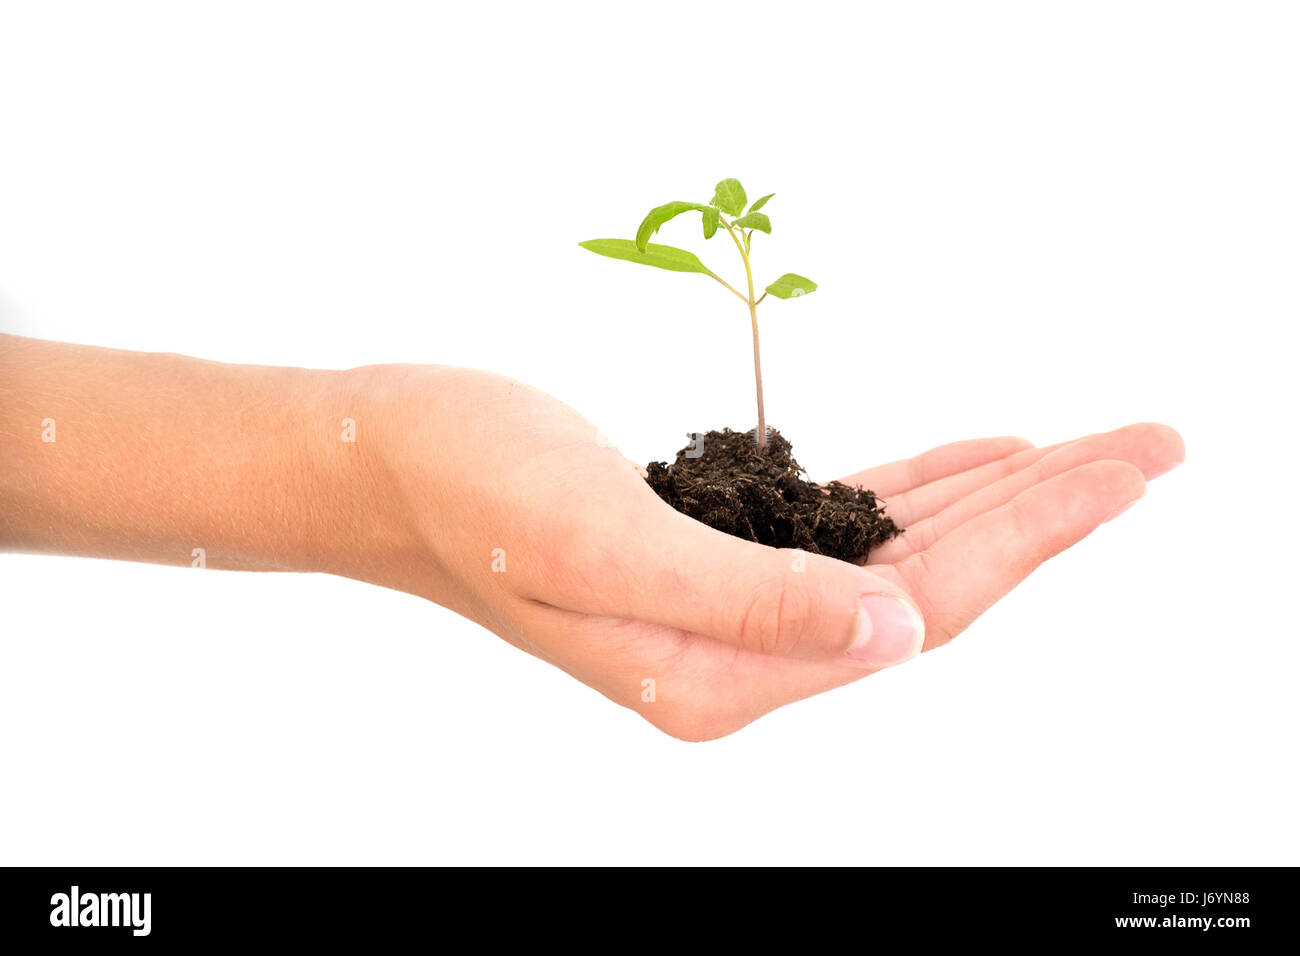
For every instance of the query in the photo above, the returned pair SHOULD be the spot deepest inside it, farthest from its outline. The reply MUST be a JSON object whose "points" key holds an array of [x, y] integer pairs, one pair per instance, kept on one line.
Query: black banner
{"points": [[147, 907]]}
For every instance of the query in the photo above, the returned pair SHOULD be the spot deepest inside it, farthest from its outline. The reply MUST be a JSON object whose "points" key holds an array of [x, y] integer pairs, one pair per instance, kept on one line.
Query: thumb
{"points": [[773, 601]]}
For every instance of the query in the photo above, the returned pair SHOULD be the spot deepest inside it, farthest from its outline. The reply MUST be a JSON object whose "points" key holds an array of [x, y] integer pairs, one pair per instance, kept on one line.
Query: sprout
{"points": [[728, 201]]}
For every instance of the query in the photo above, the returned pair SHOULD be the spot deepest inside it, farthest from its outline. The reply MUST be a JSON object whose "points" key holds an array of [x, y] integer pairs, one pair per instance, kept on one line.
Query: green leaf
{"points": [[661, 257], [729, 196], [760, 203], [710, 221], [791, 286], [755, 220], [659, 215]]}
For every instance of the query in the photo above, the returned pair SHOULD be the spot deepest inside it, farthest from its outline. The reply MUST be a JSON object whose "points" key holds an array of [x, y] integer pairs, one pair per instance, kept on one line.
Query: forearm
{"points": [[169, 459]]}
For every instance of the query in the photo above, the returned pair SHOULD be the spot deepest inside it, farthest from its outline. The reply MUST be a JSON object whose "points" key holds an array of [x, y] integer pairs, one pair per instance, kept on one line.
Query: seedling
{"points": [[753, 489], [728, 201]]}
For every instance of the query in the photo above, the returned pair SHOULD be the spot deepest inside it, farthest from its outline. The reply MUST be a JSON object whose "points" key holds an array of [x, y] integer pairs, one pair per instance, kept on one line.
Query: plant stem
{"points": [[729, 287], [743, 248], [758, 374]]}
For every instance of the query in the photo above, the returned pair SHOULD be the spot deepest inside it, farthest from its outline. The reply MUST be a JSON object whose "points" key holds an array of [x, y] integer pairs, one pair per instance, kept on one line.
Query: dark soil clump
{"points": [[760, 495]]}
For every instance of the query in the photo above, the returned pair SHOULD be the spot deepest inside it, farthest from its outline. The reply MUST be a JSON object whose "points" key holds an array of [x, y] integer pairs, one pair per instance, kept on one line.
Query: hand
{"points": [[503, 504], [537, 529]]}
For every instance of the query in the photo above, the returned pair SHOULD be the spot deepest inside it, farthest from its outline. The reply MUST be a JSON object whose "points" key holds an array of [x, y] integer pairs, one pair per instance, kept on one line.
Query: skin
{"points": [[454, 471]]}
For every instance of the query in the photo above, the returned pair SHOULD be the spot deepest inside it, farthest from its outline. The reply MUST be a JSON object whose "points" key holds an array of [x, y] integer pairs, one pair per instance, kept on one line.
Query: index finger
{"points": [[951, 459]]}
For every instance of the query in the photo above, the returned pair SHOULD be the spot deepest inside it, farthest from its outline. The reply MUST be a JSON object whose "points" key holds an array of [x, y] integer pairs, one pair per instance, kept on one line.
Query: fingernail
{"points": [[1123, 508], [890, 631]]}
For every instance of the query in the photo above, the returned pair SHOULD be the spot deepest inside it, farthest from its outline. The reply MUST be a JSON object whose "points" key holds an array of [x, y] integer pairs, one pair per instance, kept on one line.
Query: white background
{"points": [[1025, 218]]}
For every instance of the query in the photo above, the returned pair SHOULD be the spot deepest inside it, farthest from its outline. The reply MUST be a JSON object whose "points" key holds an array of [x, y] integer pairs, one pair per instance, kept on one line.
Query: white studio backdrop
{"points": [[1042, 219]]}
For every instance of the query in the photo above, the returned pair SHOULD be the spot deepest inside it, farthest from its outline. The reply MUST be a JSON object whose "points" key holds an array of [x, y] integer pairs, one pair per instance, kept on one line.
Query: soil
{"points": [[761, 495]]}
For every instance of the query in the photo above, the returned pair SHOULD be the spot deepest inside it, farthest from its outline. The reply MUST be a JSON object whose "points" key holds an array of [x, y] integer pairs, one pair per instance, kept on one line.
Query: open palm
{"points": [[701, 632]]}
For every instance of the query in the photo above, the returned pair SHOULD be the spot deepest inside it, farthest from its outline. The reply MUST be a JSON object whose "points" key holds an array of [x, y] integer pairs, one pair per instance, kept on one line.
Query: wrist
{"points": [[360, 526]]}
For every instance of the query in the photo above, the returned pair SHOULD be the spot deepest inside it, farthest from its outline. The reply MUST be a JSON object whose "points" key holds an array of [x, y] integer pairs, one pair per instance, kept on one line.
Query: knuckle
{"points": [[1041, 470], [923, 535], [775, 617]]}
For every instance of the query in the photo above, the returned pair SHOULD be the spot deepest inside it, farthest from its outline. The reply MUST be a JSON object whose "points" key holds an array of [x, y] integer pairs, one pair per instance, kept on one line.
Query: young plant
{"points": [[728, 201]]}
